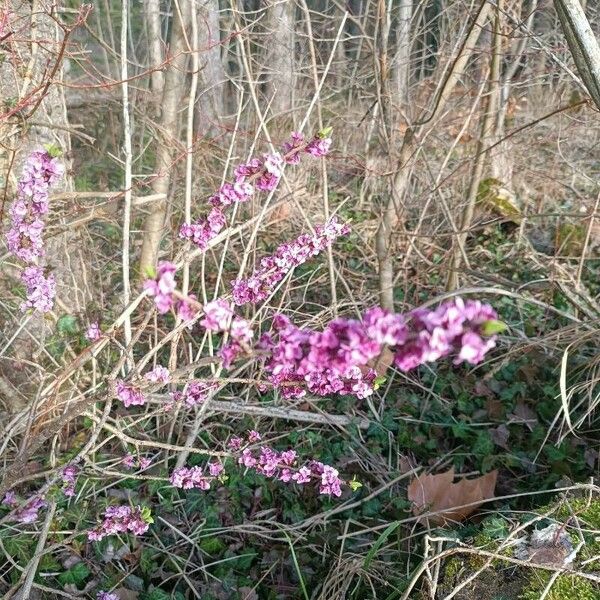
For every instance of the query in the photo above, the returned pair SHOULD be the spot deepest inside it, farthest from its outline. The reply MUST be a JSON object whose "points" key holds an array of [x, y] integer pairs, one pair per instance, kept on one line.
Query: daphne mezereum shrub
{"points": [[337, 359]]}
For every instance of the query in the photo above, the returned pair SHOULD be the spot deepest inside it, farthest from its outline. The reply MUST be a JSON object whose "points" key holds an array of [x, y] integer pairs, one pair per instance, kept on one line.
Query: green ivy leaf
{"points": [[67, 325], [76, 575]]}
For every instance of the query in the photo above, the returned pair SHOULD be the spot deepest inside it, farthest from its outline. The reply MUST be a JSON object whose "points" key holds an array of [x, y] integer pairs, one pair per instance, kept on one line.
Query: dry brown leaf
{"points": [[438, 494], [383, 362]]}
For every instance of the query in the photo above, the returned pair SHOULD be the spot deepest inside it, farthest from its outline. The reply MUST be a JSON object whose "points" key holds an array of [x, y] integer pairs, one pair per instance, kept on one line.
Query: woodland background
{"points": [[466, 158]]}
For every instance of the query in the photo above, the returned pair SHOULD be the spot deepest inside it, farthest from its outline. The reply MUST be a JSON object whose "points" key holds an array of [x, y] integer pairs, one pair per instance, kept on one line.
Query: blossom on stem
{"points": [[273, 268], [93, 332], [261, 174], [29, 512], [120, 519], [338, 359], [106, 596], [158, 374], [129, 394], [162, 287], [25, 235], [195, 477], [69, 477]]}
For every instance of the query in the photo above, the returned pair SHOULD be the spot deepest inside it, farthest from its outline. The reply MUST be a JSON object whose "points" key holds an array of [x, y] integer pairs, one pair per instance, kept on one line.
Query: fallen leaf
{"points": [[523, 414], [500, 436], [494, 408], [438, 494]]}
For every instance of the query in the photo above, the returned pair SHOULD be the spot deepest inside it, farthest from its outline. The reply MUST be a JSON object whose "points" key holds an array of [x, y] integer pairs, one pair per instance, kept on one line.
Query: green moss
{"points": [[583, 509], [566, 587]]}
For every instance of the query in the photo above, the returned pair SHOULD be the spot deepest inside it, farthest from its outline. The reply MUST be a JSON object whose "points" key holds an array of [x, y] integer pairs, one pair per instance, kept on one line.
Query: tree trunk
{"points": [[402, 63], [32, 58], [211, 96], [279, 62], [167, 135]]}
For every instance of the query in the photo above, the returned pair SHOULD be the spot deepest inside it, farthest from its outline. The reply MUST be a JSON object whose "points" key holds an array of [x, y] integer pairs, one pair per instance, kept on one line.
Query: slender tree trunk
{"points": [[487, 127], [279, 62], [155, 50], [168, 134], [402, 63], [211, 106], [583, 44]]}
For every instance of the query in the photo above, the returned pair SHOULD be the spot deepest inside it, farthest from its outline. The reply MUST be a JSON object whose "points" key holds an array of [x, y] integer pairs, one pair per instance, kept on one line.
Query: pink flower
{"points": [[106, 596], [120, 519], [201, 232], [129, 395], [159, 374], [29, 513], [217, 315], [193, 477], [40, 290], [215, 469], [197, 392], [273, 268], [302, 476], [129, 460], [235, 443], [25, 235], [186, 310], [162, 286], [330, 482], [69, 477], [319, 146], [253, 436], [10, 499], [93, 332]]}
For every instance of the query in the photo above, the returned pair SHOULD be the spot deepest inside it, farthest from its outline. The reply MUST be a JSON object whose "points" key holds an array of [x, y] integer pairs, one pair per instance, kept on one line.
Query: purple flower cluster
{"points": [[93, 332], [283, 465], [106, 596], [129, 395], [159, 374], [196, 477], [120, 519], [454, 327], [219, 316], [29, 512], [261, 174], [24, 237], [69, 478], [196, 392], [40, 289], [337, 359], [162, 286], [273, 268]]}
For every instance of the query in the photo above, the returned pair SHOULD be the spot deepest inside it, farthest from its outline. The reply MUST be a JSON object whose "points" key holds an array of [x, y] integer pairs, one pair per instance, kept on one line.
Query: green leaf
{"points": [[325, 132], [493, 326], [147, 515], [355, 484], [67, 325], [156, 594], [53, 150], [77, 575], [379, 381]]}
